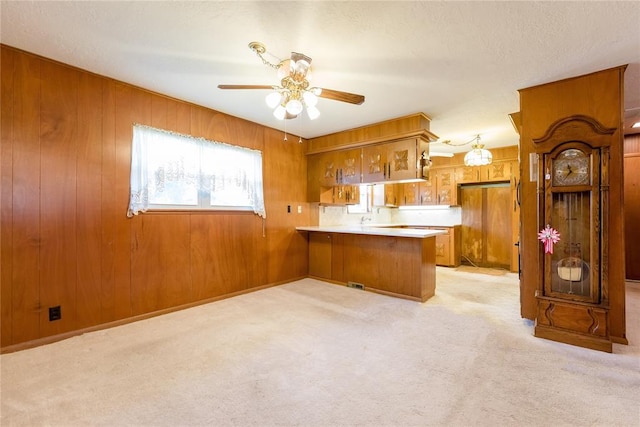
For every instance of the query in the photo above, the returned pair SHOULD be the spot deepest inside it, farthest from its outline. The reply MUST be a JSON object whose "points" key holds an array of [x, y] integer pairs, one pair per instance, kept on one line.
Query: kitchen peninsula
{"points": [[390, 260]]}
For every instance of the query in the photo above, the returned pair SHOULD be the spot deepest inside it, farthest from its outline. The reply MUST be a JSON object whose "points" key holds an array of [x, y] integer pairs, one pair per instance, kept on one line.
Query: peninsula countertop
{"points": [[374, 229]]}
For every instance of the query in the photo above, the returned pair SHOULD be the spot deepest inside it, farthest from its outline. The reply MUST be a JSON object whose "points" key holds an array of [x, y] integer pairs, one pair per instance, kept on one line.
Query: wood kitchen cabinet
{"points": [[446, 187], [341, 169], [389, 195], [448, 246], [439, 189], [496, 171], [392, 161]]}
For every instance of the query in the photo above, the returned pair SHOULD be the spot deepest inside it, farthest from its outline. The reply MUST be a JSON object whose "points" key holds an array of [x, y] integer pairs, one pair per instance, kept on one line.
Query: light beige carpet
{"points": [[314, 354]]}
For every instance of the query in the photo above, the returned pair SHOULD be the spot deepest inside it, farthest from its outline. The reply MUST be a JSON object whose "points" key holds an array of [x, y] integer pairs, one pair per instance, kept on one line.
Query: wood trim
{"points": [[574, 128], [424, 134]]}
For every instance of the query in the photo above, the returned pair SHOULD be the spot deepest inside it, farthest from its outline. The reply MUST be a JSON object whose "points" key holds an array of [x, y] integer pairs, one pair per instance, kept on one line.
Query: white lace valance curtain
{"points": [[182, 172]]}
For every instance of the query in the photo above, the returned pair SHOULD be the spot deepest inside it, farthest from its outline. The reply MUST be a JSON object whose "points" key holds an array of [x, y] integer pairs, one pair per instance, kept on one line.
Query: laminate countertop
{"points": [[376, 230]]}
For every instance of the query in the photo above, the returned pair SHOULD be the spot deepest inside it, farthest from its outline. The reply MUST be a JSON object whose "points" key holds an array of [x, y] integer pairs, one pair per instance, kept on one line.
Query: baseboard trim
{"points": [[66, 335]]}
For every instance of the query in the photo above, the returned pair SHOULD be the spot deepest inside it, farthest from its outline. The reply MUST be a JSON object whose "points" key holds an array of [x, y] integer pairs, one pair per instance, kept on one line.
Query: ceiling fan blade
{"points": [[337, 95], [245, 86]]}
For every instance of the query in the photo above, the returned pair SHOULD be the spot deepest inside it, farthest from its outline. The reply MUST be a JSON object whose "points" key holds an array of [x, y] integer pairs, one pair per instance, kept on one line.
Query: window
{"points": [[364, 205], [171, 171]]}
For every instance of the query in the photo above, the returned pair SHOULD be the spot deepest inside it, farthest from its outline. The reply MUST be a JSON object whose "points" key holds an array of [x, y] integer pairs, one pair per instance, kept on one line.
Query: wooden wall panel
{"points": [[284, 162], [25, 262], [108, 206], [632, 205], [58, 150], [6, 194], [88, 196], [225, 252], [66, 239], [159, 262]]}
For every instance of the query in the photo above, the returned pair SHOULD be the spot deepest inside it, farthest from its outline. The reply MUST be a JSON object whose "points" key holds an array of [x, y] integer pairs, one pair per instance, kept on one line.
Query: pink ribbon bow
{"points": [[548, 236]]}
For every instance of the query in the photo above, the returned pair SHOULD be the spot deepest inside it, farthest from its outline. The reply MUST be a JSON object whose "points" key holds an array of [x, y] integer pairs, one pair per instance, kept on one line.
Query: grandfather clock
{"points": [[573, 209]]}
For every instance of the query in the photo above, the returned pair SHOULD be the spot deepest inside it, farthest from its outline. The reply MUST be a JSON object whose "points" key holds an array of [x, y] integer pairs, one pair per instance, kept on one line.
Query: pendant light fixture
{"points": [[478, 155]]}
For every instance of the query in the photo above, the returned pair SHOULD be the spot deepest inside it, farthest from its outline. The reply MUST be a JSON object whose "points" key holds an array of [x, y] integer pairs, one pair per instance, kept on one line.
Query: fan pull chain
{"points": [[285, 129]]}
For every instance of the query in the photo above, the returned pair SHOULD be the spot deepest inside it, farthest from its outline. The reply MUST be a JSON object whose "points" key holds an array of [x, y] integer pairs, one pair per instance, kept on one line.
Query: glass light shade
{"points": [[301, 66], [273, 99], [279, 112], [294, 107], [478, 156], [313, 113], [284, 69], [310, 99], [315, 90]]}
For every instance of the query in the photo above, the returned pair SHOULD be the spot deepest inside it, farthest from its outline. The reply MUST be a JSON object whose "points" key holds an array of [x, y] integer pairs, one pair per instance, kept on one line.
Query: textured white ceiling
{"points": [[461, 63]]}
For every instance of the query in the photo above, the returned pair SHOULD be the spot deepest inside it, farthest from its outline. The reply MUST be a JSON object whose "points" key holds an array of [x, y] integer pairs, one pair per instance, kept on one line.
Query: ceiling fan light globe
{"points": [[273, 99], [310, 99], [280, 112], [294, 107], [313, 113]]}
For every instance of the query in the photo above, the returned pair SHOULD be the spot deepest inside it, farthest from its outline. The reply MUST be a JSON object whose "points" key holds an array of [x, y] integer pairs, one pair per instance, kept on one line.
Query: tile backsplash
{"points": [[444, 216]]}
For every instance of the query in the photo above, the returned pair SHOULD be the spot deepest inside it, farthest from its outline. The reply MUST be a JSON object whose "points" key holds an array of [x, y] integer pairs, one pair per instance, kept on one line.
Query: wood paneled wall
{"points": [[66, 239], [632, 205], [597, 95]]}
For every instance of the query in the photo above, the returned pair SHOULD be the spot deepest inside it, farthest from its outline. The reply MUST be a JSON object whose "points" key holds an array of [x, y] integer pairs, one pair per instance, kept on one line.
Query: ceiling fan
{"points": [[294, 93]]}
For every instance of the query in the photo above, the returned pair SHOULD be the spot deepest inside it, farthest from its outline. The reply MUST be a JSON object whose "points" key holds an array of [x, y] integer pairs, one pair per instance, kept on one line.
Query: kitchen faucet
{"points": [[363, 219]]}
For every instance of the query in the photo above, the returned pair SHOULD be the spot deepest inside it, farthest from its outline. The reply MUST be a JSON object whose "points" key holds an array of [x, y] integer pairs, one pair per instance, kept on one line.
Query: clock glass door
{"points": [[571, 270], [570, 260]]}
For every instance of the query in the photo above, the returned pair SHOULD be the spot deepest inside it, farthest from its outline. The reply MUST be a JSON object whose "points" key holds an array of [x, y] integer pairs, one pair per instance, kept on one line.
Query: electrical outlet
{"points": [[55, 313], [299, 209]]}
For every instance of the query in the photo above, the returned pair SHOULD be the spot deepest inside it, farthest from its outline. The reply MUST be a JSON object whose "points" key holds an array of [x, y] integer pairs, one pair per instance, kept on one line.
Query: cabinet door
{"points": [[411, 194], [349, 166], [374, 163], [496, 171], [346, 195], [392, 194], [428, 194], [402, 160], [327, 167], [320, 252], [446, 187], [467, 174], [443, 250]]}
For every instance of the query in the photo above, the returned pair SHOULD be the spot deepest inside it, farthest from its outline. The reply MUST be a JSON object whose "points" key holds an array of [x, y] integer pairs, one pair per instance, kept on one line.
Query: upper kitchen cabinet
{"points": [[333, 168], [393, 161]]}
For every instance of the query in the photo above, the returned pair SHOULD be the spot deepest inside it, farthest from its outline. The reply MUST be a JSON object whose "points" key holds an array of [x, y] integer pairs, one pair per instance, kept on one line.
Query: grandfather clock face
{"points": [[571, 167], [569, 194]]}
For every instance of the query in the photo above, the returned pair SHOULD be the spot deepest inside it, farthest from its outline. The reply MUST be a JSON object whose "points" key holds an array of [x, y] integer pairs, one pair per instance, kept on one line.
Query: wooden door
{"points": [[486, 225]]}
